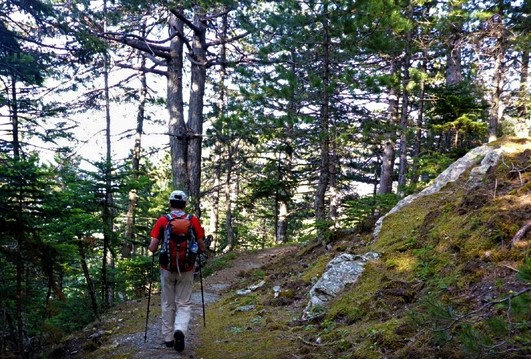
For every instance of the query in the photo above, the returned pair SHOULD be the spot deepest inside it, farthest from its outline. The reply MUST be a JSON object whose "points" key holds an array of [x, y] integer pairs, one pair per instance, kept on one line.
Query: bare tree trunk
{"points": [[324, 166], [406, 65], [285, 165], [214, 210], [524, 88], [420, 123], [19, 235], [176, 126], [333, 187], [20, 294], [128, 247], [282, 226], [107, 215], [228, 201], [88, 279], [454, 73], [195, 114], [496, 111], [388, 151]]}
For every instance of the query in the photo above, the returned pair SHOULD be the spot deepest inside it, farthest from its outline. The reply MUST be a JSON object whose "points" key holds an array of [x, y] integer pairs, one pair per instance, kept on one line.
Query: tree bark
{"points": [[177, 128], [128, 248], [195, 114], [107, 215], [454, 72], [218, 147], [524, 87], [388, 150], [333, 182], [420, 123], [496, 111], [324, 136], [229, 229], [406, 65], [90, 284]]}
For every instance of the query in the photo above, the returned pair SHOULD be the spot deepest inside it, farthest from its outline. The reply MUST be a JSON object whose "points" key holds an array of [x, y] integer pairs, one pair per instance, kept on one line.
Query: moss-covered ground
{"points": [[448, 284]]}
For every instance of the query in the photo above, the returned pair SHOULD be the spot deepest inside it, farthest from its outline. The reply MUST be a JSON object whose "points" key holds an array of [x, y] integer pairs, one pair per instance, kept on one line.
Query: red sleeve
{"points": [[199, 231], [158, 228]]}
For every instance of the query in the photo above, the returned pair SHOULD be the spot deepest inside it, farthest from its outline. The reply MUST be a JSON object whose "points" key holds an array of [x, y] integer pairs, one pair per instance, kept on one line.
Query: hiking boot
{"points": [[169, 344], [178, 337]]}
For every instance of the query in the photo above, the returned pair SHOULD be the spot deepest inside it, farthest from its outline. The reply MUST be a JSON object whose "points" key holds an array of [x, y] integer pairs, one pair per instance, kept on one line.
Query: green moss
{"points": [[401, 229], [259, 333], [312, 273]]}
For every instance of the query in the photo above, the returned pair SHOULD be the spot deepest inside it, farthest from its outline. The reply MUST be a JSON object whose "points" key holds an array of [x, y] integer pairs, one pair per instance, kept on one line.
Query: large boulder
{"points": [[480, 159], [340, 271]]}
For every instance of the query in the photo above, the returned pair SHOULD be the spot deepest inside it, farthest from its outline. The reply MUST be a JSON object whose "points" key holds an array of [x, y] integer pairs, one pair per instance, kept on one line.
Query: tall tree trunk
{"points": [[388, 151], [176, 126], [216, 190], [324, 136], [285, 169], [404, 115], [228, 200], [20, 293], [19, 235], [524, 88], [281, 199], [286, 164], [90, 284], [420, 123], [108, 204], [195, 114], [333, 182], [496, 111], [454, 73], [128, 247], [221, 108]]}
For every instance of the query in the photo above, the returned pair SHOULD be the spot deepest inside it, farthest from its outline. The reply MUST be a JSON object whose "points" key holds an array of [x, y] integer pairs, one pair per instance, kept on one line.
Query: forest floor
{"points": [[121, 332]]}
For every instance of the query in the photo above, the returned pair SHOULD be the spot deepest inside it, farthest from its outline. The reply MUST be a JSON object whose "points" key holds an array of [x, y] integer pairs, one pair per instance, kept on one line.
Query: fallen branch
{"points": [[314, 344], [485, 306], [521, 233], [509, 267]]}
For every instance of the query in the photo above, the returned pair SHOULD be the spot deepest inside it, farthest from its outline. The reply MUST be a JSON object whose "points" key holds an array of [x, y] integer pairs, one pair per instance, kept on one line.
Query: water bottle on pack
{"points": [[194, 247]]}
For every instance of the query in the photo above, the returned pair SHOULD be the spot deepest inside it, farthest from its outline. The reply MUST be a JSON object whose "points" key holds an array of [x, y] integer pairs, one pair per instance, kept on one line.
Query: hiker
{"points": [[176, 281]]}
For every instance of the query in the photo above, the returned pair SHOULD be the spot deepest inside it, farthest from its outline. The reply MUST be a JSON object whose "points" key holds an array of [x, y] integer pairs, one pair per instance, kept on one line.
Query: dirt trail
{"points": [[213, 286]]}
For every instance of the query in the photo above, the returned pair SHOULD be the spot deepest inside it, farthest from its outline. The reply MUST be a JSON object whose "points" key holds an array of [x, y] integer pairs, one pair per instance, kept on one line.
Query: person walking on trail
{"points": [[176, 278]]}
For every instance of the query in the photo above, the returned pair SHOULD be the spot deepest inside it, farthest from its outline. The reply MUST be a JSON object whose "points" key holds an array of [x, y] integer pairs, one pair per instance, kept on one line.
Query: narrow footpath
{"points": [[134, 346]]}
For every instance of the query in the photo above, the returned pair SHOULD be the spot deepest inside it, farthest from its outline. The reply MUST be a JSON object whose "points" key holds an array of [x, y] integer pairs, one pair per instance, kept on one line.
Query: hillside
{"points": [[452, 281]]}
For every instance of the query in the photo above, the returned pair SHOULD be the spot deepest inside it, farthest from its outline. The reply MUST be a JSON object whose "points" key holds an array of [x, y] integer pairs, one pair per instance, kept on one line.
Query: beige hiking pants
{"points": [[176, 302]]}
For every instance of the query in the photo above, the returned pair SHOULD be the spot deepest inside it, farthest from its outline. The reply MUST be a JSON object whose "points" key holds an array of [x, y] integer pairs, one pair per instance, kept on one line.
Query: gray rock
{"points": [[486, 154], [340, 271]]}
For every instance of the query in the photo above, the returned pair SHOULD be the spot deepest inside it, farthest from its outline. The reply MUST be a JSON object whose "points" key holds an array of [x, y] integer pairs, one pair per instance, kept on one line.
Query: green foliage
{"points": [[433, 163], [524, 271], [70, 316], [132, 276], [361, 209], [459, 111]]}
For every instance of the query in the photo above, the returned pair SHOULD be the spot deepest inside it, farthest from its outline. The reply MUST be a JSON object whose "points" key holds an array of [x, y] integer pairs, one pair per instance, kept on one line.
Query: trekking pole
{"points": [[202, 295], [149, 294]]}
